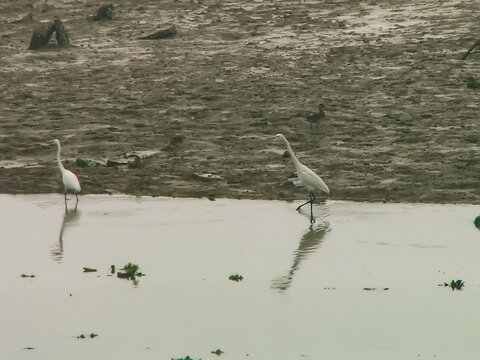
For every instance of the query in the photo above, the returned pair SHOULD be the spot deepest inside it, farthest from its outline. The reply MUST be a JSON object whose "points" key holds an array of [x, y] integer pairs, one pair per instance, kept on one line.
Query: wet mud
{"points": [[400, 124]]}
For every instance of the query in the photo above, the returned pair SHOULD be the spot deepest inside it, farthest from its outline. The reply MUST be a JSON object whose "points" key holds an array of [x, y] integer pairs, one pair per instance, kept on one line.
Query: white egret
{"points": [[307, 177], [69, 179]]}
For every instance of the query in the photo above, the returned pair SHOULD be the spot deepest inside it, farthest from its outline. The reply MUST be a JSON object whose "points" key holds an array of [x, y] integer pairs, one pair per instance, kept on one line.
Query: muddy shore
{"points": [[400, 125]]}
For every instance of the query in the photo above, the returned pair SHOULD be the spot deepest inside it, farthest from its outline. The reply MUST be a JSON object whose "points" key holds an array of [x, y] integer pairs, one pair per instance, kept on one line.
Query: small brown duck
{"points": [[316, 117]]}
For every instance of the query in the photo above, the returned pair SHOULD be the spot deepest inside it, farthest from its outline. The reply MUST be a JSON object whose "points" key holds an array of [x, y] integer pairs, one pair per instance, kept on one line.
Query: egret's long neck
{"points": [[292, 155], [60, 166]]}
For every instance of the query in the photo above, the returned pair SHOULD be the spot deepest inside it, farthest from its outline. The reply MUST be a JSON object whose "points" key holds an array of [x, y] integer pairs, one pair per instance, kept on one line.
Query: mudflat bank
{"points": [[400, 125]]}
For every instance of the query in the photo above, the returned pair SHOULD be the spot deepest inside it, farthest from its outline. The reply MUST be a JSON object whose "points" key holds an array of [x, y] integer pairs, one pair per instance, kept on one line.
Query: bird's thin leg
{"points": [[76, 203], [66, 207], [310, 194], [305, 203], [312, 199]]}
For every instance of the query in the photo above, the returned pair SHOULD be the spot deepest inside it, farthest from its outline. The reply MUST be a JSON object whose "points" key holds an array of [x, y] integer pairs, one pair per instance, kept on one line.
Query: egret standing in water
{"points": [[307, 177], [69, 179]]}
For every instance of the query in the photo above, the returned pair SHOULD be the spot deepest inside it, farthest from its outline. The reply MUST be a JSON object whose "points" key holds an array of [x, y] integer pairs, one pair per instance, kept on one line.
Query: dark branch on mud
{"points": [[162, 34], [477, 43]]}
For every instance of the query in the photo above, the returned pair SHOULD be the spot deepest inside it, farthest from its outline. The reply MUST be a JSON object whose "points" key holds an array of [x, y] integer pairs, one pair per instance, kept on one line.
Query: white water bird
{"points": [[69, 179], [306, 176]]}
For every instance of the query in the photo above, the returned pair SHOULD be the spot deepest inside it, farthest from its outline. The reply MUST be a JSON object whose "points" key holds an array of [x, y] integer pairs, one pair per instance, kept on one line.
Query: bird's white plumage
{"points": [[311, 180], [69, 179], [71, 182], [307, 177]]}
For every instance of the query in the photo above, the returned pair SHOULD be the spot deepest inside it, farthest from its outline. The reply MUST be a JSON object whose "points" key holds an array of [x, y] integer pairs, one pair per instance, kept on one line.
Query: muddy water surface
{"points": [[361, 283]]}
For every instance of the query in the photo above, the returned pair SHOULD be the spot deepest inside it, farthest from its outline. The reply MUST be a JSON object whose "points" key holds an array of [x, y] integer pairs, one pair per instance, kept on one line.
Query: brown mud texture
{"points": [[193, 114]]}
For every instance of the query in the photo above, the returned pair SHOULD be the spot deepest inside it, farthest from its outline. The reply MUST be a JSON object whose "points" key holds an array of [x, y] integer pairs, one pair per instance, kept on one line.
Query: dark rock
{"points": [[472, 138], [80, 162], [104, 12], [175, 142]]}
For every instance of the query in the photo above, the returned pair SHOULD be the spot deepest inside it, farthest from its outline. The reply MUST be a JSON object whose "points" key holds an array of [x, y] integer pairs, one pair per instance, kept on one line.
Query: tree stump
{"points": [[43, 34], [162, 34], [61, 34]]}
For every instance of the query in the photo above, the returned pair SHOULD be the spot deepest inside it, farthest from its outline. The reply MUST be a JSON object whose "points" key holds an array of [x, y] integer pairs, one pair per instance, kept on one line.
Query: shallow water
{"points": [[303, 293]]}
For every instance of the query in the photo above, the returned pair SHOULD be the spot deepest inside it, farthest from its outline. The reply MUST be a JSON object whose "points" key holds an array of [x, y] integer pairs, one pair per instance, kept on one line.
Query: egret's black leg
{"points": [[66, 207], [76, 204], [311, 196], [312, 199], [298, 208]]}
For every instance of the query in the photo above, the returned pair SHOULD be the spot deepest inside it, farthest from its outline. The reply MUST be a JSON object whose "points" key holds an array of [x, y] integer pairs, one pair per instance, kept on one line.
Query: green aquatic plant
{"points": [[472, 83], [130, 272], [185, 358], [26, 275], [217, 352], [112, 269], [131, 269], [83, 336], [476, 222], [455, 284], [87, 269], [375, 289], [136, 163], [235, 277]]}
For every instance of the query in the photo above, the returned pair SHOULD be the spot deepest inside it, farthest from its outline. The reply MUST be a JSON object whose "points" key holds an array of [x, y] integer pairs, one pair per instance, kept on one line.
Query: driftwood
{"points": [[43, 34], [162, 34], [104, 12], [24, 18], [477, 43]]}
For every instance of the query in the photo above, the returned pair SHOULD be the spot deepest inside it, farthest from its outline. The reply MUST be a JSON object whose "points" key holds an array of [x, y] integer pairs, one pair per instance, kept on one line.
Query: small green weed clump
{"points": [[136, 163], [130, 271], [455, 284], [217, 352], [235, 277], [476, 222], [472, 83]]}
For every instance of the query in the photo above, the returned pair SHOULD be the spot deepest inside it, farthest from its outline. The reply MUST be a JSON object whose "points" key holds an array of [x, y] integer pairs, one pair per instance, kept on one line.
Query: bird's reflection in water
{"points": [[69, 219], [309, 243]]}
